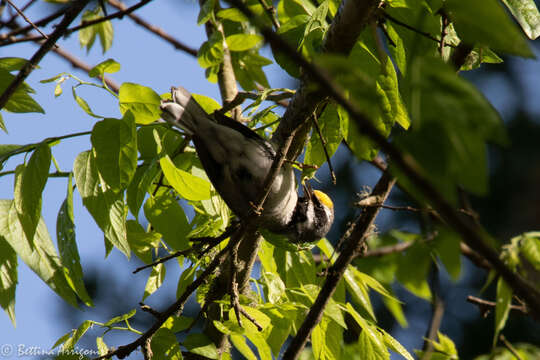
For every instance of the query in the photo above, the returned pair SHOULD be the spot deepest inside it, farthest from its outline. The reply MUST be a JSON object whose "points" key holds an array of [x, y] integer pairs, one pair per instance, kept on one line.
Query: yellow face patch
{"points": [[324, 199]]}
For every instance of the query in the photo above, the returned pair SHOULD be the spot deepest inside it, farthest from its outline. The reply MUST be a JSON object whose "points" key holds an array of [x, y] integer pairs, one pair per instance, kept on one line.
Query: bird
{"points": [[237, 161]]}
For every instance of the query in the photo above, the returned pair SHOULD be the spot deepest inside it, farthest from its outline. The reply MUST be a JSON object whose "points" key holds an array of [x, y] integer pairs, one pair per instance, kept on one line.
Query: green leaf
{"points": [[62, 339], [101, 346], [30, 181], [188, 186], [165, 346], [42, 257], [83, 104], [78, 333], [58, 90], [241, 345], [243, 42], [530, 248], [155, 280], [475, 23], [168, 218], [185, 279], [201, 345], [448, 248], [394, 345], [413, 270], [252, 333], [371, 341], [207, 11], [141, 100], [12, 63], [211, 51], [20, 101], [67, 247], [453, 122], [120, 318], [141, 242], [502, 307], [445, 345], [359, 292], [108, 66], [527, 15], [330, 125], [106, 206], [8, 278], [275, 288], [232, 14], [115, 148], [207, 103], [393, 109], [103, 29], [138, 187]]}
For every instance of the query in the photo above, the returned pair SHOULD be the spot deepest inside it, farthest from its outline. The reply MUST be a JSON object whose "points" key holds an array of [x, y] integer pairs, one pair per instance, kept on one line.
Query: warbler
{"points": [[237, 161]]}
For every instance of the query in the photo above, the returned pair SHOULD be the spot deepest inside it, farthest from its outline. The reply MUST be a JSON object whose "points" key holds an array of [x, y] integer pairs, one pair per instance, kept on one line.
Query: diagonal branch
{"points": [[84, 24], [70, 15], [353, 246], [21, 13], [154, 29]]}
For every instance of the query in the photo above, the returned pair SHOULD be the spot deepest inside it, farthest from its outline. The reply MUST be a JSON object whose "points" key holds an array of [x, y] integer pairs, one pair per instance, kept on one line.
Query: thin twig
{"points": [[42, 22], [509, 346], [83, 25], [241, 96], [27, 19], [437, 312], [155, 30], [485, 305], [271, 12], [165, 258], [412, 28], [124, 350], [150, 310], [324, 144], [60, 30], [78, 63], [31, 147], [25, 6]]}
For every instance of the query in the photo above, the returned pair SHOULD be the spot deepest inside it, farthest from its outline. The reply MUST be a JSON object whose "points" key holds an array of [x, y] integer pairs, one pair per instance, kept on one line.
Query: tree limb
{"points": [[154, 29], [353, 245]]}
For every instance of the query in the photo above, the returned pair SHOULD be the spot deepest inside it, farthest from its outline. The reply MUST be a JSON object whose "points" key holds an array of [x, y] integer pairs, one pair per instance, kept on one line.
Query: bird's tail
{"points": [[183, 111]]}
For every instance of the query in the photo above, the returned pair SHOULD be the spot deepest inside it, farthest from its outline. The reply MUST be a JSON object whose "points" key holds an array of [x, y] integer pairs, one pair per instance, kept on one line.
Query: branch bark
{"points": [[352, 248]]}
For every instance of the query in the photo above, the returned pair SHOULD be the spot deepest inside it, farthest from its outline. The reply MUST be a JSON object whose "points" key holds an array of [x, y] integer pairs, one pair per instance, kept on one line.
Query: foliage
{"points": [[411, 94]]}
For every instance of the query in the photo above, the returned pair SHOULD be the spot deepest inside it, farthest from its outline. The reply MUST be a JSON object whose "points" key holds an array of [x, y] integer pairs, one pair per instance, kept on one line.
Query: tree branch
{"points": [[83, 25], [176, 307], [486, 306], [473, 235], [154, 29], [352, 248], [352, 17], [70, 15], [21, 13]]}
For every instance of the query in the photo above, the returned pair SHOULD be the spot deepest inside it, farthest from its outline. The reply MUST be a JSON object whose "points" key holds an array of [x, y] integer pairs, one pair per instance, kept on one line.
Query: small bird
{"points": [[237, 161]]}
